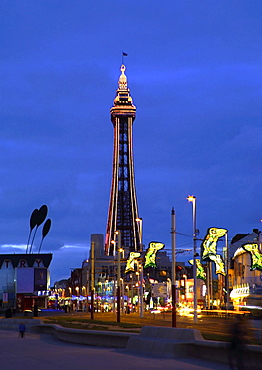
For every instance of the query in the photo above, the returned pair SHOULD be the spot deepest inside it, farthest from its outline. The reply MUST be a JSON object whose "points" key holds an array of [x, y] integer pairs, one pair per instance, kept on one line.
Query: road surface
{"points": [[42, 351]]}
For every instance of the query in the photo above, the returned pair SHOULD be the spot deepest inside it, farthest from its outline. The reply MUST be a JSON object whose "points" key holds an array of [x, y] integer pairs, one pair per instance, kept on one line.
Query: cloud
{"points": [[9, 248]]}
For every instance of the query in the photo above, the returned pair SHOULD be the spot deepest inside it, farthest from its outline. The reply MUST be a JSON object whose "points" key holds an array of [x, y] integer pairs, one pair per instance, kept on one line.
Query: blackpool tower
{"points": [[123, 211]]}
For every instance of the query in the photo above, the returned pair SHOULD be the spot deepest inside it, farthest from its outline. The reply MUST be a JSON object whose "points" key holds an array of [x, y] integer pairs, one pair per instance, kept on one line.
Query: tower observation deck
{"points": [[123, 210]]}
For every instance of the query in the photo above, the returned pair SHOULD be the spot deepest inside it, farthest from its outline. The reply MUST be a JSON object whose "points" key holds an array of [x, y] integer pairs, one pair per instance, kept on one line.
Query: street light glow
{"points": [[191, 198]]}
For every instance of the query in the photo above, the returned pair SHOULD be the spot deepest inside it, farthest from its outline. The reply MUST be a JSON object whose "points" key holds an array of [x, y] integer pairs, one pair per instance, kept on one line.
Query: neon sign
{"points": [[256, 256], [200, 272], [209, 248], [150, 256], [130, 263], [209, 245], [220, 265]]}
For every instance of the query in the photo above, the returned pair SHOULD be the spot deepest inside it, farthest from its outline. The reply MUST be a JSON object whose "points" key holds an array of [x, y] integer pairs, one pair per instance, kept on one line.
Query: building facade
{"points": [[245, 278], [24, 280]]}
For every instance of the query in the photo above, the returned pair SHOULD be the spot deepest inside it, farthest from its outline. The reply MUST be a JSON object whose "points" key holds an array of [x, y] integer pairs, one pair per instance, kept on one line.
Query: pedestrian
{"points": [[22, 330], [8, 312], [237, 348]]}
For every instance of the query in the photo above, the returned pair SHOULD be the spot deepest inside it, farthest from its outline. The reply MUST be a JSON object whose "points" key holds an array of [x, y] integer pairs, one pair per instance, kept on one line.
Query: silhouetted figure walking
{"points": [[237, 347], [22, 330], [8, 313]]}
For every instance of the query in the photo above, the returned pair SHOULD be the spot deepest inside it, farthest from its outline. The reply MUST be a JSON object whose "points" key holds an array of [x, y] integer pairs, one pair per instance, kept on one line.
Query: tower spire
{"points": [[123, 210], [123, 97], [122, 82]]}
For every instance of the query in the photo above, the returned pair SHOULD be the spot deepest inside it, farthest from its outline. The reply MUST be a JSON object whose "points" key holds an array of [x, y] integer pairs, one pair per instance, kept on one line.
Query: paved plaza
{"points": [[42, 351]]}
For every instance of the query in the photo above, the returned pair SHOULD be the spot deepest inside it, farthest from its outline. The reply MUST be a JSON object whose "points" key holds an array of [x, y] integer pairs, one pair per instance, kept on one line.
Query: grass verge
{"points": [[90, 324]]}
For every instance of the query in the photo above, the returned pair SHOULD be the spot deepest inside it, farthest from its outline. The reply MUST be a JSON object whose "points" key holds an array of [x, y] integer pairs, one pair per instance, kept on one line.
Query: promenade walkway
{"points": [[41, 352]]}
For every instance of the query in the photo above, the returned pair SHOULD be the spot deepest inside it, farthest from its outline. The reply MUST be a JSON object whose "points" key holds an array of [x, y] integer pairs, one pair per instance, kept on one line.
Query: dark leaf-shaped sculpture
{"points": [[45, 231], [41, 215], [33, 218], [39, 218], [32, 222], [46, 228]]}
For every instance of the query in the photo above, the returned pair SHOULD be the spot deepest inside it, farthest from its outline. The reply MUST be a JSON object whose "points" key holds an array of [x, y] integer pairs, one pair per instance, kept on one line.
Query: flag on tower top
{"points": [[124, 54]]}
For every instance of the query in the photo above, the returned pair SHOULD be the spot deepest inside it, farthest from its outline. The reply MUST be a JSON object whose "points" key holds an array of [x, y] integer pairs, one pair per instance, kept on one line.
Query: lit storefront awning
{"points": [[240, 291]]}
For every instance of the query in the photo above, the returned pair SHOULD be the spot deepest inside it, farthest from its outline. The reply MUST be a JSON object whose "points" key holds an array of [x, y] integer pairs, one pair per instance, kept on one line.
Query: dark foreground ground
{"points": [[41, 352], [211, 327]]}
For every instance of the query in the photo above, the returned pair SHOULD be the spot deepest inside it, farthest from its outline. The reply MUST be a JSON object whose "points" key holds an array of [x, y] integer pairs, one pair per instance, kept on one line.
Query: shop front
{"points": [[239, 295]]}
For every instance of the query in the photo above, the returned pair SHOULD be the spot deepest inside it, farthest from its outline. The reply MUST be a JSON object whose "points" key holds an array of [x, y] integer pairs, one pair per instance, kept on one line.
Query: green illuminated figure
{"points": [[150, 256], [200, 272], [256, 256], [220, 266], [130, 263], [209, 245]]}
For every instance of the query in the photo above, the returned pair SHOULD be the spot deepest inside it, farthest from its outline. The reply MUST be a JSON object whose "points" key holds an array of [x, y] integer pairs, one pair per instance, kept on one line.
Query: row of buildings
{"points": [[241, 286], [25, 279]]}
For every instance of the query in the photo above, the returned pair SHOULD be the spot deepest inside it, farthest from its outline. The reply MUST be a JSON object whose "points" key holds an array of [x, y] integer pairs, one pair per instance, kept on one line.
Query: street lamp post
{"points": [[185, 282], [192, 198], [260, 240], [141, 292], [141, 301], [118, 275], [114, 292], [140, 223], [227, 272], [122, 295], [132, 294], [92, 278], [114, 286], [208, 285], [173, 234]]}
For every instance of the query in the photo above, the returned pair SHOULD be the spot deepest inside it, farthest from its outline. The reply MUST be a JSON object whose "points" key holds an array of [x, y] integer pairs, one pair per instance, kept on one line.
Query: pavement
{"points": [[43, 351]]}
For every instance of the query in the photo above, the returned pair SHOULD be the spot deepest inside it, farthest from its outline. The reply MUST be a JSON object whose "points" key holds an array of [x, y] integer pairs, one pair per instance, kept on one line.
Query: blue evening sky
{"points": [[195, 74]]}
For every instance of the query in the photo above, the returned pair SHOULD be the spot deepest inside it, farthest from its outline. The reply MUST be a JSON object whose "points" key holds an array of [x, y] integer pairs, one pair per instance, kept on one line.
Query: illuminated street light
{"points": [[141, 301], [140, 222], [192, 198], [114, 243], [119, 249]]}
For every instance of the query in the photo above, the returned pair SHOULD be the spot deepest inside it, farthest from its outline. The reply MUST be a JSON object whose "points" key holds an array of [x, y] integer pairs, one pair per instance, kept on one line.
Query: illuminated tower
{"points": [[123, 211]]}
